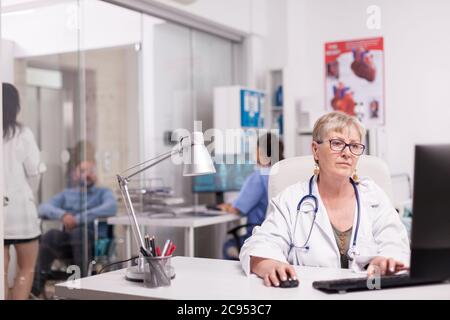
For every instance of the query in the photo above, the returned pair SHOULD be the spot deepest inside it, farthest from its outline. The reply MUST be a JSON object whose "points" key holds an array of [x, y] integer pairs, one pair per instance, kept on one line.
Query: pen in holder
{"points": [[158, 271]]}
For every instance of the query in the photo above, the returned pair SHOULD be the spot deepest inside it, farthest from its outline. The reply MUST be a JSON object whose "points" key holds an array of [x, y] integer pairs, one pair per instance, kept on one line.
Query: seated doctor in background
{"points": [[332, 220], [252, 200]]}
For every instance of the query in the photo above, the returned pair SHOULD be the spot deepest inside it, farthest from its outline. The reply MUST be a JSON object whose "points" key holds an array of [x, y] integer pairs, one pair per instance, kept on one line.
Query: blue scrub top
{"points": [[253, 198]]}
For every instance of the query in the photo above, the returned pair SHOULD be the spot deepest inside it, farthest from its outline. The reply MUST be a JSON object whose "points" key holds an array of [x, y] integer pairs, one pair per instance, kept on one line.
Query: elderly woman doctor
{"points": [[332, 220]]}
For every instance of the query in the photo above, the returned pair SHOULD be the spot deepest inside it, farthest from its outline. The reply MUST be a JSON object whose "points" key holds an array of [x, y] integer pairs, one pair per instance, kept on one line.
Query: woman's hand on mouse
{"points": [[272, 271]]}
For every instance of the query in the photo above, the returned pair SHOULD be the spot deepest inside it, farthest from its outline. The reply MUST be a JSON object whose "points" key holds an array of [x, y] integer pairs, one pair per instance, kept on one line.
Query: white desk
{"points": [[188, 222], [210, 279]]}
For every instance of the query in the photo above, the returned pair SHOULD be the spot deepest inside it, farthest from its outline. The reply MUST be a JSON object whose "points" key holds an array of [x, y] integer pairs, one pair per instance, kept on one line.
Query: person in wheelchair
{"points": [[72, 207], [252, 200]]}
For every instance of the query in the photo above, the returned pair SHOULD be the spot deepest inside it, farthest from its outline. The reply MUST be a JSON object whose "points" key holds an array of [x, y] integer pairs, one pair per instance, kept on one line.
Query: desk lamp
{"points": [[197, 161]]}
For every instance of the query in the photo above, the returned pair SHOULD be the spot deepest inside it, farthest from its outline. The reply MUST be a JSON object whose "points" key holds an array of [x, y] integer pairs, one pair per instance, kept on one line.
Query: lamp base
{"points": [[134, 274]]}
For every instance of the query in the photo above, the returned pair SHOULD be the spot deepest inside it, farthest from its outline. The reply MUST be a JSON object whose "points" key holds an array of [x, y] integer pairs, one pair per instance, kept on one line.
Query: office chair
{"points": [[235, 233]]}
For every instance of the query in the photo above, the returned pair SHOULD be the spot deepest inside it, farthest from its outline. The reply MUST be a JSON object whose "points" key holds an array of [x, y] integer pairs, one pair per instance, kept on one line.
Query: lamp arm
{"points": [[164, 157], [146, 161], [123, 185]]}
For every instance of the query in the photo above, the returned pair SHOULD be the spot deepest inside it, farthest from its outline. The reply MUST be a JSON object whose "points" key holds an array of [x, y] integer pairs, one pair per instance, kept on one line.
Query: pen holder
{"points": [[158, 272]]}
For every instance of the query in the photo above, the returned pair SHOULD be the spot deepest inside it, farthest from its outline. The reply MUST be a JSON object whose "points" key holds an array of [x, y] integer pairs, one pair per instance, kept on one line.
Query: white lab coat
{"points": [[21, 169], [381, 232]]}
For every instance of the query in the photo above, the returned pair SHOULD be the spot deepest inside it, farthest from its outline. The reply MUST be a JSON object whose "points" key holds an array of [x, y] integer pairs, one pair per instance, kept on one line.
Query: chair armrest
{"points": [[236, 229], [97, 222], [46, 221], [404, 207], [101, 219]]}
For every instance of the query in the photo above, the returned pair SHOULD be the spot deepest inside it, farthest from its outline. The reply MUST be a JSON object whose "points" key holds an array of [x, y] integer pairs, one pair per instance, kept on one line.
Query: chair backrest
{"points": [[293, 170]]}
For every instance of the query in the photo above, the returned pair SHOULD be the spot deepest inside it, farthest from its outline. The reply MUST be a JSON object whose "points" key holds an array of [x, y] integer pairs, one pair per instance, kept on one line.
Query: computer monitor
{"points": [[228, 177], [430, 240]]}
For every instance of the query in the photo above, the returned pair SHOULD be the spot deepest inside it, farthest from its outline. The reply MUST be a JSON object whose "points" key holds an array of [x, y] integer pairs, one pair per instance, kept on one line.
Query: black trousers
{"points": [[58, 244]]}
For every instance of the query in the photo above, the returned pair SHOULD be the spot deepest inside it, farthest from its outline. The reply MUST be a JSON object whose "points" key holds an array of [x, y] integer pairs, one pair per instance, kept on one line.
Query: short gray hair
{"points": [[336, 121]]}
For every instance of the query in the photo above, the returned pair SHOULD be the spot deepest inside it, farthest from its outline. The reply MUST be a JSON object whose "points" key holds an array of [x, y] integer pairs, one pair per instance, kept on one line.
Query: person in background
{"points": [[73, 212], [252, 200], [21, 173], [83, 150]]}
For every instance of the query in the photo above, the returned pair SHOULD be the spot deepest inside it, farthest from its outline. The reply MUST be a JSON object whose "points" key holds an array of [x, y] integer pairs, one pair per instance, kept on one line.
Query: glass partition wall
{"points": [[45, 65], [100, 96]]}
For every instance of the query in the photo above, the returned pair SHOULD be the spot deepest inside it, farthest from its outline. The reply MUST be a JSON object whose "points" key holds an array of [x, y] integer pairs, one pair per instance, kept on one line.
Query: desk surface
{"points": [[209, 279], [182, 220]]}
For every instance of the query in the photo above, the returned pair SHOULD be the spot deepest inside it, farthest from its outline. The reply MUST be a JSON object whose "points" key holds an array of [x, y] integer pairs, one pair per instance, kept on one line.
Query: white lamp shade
{"points": [[196, 158]]}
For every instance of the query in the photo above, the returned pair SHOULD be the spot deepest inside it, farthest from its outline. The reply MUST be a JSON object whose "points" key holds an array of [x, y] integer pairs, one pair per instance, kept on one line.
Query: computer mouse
{"points": [[289, 283]]}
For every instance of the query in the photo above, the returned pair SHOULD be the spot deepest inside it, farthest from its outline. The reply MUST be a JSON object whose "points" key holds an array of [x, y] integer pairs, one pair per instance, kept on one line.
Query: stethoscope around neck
{"points": [[314, 204]]}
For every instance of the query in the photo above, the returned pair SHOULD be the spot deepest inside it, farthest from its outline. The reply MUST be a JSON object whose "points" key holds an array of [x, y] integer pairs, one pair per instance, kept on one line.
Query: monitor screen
{"points": [[431, 201], [430, 243], [228, 177]]}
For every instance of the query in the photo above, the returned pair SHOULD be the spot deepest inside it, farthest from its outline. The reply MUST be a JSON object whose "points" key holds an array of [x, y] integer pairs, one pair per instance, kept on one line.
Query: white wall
{"points": [[417, 67], [268, 50], [248, 16], [275, 40], [7, 60]]}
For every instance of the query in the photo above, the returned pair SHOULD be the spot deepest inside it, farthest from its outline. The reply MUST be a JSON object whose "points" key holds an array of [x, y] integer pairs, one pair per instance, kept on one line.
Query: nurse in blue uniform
{"points": [[252, 200]]}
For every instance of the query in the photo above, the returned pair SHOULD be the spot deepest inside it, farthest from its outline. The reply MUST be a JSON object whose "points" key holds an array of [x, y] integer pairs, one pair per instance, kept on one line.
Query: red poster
{"points": [[354, 81]]}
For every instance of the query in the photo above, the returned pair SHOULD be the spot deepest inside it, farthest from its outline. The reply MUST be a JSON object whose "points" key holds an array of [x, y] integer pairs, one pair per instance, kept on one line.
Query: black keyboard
{"points": [[359, 284]]}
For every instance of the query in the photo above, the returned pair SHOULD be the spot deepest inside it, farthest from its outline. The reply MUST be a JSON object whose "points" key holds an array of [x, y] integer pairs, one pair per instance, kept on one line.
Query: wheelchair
{"points": [[104, 252]]}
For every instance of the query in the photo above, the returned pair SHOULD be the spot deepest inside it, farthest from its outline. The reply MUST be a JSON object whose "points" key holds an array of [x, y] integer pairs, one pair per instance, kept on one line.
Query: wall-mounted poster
{"points": [[354, 81]]}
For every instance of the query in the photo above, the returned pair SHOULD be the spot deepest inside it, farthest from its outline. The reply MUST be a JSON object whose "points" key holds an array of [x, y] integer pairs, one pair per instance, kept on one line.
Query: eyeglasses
{"points": [[338, 145]]}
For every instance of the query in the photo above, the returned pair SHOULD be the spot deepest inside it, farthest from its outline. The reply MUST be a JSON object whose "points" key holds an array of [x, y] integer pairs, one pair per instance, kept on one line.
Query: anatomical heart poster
{"points": [[354, 79]]}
